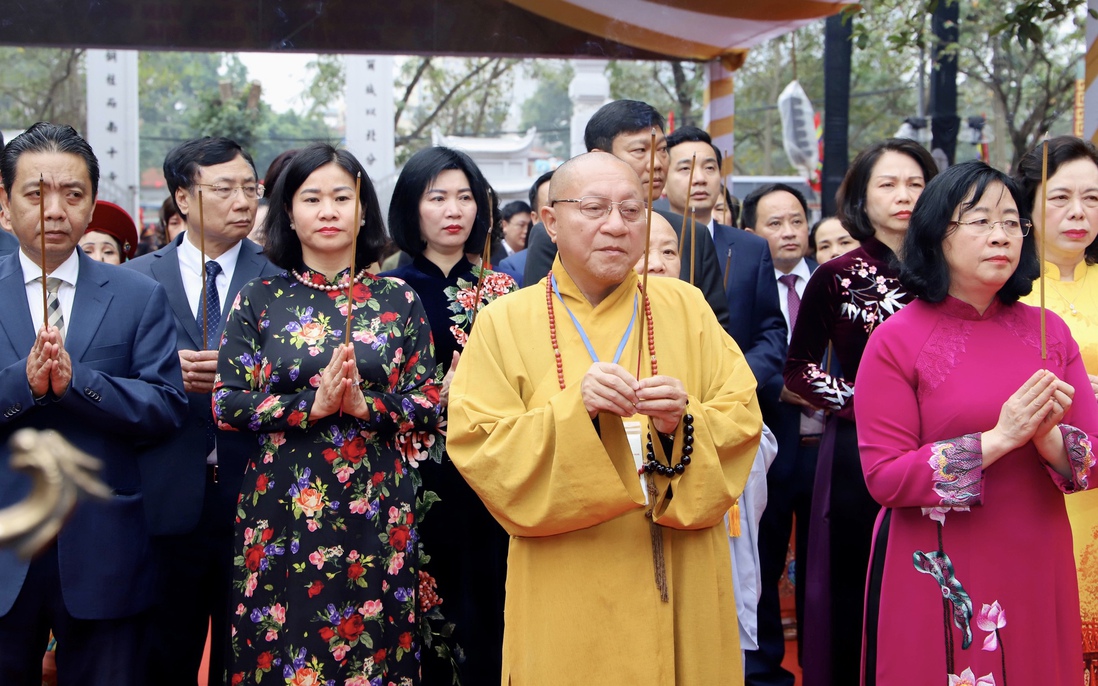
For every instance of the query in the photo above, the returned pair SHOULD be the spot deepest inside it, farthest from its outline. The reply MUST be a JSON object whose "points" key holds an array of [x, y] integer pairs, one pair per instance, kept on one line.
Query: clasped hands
{"points": [[608, 387], [1032, 413], [49, 367], [340, 388]]}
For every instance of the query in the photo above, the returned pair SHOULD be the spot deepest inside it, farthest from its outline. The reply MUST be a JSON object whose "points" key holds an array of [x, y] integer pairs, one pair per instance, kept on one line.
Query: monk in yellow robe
{"points": [[597, 593]]}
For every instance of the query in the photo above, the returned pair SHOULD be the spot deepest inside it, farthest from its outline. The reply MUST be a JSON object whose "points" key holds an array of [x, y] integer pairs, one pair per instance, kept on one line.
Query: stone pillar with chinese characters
{"points": [[369, 98], [113, 124]]}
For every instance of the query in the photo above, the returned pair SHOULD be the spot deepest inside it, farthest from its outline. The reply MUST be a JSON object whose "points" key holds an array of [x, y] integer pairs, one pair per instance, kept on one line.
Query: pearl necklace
{"points": [[326, 287]]}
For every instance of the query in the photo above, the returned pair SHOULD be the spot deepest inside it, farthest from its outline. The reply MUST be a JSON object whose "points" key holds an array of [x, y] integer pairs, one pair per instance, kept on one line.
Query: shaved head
{"points": [[566, 175]]}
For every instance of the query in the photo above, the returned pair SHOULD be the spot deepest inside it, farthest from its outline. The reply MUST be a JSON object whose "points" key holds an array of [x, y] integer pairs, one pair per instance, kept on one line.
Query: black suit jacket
{"points": [[755, 316], [174, 473], [541, 251]]}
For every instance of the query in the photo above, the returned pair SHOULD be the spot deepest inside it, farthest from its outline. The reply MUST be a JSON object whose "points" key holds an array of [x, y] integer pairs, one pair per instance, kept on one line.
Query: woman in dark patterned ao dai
{"points": [[325, 584]]}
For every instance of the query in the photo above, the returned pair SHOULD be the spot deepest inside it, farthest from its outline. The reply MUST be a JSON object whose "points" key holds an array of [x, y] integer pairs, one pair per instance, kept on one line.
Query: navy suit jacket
{"points": [[8, 243], [783, 419], [513, 265], [755, 316], [174, 472], [126, 392]]}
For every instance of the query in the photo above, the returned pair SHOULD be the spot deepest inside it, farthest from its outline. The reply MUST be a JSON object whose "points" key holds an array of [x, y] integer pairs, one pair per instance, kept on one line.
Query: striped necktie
{"points": [[53, 305]]}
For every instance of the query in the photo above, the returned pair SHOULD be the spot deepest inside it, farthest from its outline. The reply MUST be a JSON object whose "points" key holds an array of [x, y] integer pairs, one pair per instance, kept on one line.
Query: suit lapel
{"points": [[89, 307], [165, 271], [18, 326]]}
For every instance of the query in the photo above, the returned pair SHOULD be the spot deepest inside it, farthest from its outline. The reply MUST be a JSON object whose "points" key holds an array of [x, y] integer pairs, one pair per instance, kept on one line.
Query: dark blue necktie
{"points": [[212, 320], [212, 316]]}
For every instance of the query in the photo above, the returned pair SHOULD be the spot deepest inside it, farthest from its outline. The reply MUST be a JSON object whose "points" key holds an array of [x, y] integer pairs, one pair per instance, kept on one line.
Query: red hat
{"points": [[117, 223]]}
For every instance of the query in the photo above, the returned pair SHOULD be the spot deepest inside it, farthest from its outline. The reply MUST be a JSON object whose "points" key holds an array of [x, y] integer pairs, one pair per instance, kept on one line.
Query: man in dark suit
{"points": [[195, 478], [102, 372], [746, 270], [779, 213], [8, 243], [624, 129]]}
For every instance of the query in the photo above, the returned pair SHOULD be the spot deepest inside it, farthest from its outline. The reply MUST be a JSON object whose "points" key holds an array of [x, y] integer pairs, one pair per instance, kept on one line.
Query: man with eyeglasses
{"points": [[613, 474], [624, 129], [192, 482]]}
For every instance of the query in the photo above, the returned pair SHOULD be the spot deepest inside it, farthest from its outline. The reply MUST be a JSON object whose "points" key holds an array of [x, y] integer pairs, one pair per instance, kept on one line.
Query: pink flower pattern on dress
{"points": [[967, 678], [992, 618]]}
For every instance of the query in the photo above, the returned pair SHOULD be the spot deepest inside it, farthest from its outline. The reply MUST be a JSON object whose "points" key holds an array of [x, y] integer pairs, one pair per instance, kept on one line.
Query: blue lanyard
{"points": [[583, 334]]}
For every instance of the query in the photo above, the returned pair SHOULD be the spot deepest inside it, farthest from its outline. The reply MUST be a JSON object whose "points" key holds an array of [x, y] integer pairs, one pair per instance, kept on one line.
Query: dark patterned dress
{"points": [[468, 547], [325, 580], [846, 299]]}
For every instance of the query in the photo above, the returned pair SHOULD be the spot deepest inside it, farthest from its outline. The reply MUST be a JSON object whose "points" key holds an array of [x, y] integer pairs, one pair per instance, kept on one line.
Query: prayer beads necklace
{"points": [[327, 287], [652, 465]]}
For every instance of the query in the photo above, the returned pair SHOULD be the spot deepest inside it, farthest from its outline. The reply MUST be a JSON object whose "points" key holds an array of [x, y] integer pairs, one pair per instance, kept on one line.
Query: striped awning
{"points": [[688, 29]]}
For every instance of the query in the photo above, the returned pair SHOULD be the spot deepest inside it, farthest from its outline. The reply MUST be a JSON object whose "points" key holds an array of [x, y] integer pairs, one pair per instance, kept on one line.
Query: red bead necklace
{"points": [[553, 332]]}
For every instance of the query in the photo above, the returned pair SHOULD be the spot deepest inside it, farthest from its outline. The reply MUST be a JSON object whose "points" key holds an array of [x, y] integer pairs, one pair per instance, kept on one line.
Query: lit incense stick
{"points": [[485, 255], [647, 247], [693, 242], [42, 232], [202, 270], [354, 252], [1044, 207], [682, 229]]}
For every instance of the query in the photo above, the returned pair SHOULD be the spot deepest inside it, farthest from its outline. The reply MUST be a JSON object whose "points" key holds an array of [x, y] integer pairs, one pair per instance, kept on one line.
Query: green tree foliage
{"points": [[549, 109], [170, 91], [466, 97], [42, 84], [676, 86]]}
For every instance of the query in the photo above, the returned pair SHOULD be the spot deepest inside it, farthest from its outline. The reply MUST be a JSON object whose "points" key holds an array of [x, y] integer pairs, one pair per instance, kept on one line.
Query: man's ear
{"points": [[549, 219], [5, 210], [183, 201], [748, 230]]}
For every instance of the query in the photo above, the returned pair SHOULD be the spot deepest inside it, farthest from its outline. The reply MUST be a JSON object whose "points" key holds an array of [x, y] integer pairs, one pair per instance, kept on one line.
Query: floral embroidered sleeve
{"points": [[241, 397], [900, 470], [1080, 456], [808, 347], [411, 402]]}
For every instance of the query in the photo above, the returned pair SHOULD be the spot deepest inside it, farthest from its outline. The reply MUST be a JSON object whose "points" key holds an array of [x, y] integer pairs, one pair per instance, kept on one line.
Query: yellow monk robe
{"points": [[582, 603], [1082, 507]]}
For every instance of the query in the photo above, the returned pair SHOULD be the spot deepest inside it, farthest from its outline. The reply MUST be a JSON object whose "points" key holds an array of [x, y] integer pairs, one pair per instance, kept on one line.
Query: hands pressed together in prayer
{"points": [[199, 370], [49, 367], [610, 388], [444, 394], [1033, 413], [340, 388]]}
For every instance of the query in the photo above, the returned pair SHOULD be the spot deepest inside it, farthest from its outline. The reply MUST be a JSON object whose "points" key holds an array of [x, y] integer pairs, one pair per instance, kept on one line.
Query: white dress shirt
{"points": [[68, 271], [193, 273]]}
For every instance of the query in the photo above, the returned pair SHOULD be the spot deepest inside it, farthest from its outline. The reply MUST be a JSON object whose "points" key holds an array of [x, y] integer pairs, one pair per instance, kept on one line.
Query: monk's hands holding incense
{"points": [[663, 399], [608, 387], [199, 369]]}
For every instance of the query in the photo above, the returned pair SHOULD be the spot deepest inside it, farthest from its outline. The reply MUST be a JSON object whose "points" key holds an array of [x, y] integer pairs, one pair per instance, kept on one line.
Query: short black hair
{"points": [[184, 160], [46, 137], [748, 211], [692, 134], [512, 208], [616, 118], [850, 199], [283, 246], [542, 180], [418, 174], [923, 269], [1061, 150]]}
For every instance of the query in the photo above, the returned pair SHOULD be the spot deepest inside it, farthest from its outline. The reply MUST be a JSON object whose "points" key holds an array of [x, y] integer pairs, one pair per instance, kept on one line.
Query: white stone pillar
{"points": [[113, 125], [589, 90]]}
